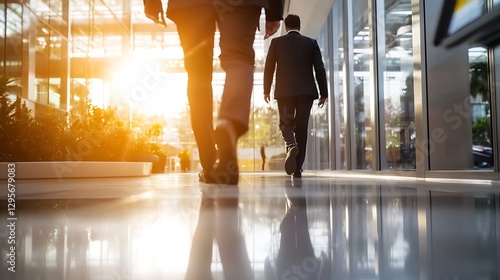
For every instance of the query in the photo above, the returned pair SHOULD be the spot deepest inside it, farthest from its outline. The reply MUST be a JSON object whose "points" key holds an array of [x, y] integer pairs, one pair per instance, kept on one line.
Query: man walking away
{"points": [[299, 66]]}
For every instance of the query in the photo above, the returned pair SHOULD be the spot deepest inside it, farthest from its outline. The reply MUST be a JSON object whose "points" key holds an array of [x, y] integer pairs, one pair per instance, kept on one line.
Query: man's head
{"points": [[292, 22]]}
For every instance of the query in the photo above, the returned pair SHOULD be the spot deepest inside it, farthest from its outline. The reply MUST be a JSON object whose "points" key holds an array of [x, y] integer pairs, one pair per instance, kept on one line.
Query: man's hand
{"points": [[267, 98], [271, 28], [154, 11], [321, 102]]}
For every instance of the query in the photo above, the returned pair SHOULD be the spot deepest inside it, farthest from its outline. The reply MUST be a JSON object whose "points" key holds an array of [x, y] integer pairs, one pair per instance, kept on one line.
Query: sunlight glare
{"points": [[147, 89], [162, 245]]}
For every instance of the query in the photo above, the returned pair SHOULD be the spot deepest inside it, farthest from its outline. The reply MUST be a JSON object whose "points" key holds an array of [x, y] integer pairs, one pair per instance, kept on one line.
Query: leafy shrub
{"points": [[97, 135]]}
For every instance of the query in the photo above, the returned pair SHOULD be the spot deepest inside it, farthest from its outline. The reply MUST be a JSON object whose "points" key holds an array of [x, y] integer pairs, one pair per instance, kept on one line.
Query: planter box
{"points": [[76, 169]]}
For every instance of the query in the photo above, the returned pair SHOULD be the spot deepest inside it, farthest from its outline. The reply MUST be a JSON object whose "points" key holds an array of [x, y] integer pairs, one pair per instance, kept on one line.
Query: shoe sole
{"points": [[290, 162]]}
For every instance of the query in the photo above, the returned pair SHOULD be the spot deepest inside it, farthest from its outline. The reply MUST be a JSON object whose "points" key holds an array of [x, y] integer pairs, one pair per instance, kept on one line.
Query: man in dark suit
{"points": [[237, 21], [294, 57]]}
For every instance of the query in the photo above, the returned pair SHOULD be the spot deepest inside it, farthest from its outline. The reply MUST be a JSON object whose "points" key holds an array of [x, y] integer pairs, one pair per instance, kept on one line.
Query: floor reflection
{"points": [[219, 222], [295, 258], [271, 227]]}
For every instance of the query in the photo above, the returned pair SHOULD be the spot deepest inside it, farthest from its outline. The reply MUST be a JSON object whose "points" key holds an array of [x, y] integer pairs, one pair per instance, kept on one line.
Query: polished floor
{"points": [[322, 226]]}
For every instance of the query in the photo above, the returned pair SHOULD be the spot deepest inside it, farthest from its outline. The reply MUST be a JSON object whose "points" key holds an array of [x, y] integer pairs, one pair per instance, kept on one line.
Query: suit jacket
{"points": [[294, 57], [274, 8]]}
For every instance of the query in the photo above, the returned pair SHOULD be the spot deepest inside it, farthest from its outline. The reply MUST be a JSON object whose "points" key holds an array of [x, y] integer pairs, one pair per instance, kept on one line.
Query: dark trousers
{"points": [[196, 28], [294, 119]]}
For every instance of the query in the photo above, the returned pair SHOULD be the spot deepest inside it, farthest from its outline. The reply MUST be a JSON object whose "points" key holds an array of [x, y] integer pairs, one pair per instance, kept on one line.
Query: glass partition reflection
{"points": [[482, 138], [362, 95], [397, 116], [338, 92]]}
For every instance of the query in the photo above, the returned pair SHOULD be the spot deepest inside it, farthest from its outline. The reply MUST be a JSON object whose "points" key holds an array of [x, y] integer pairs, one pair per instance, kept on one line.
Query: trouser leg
{"points": [[286, 109], [196, 28], [302, 113], [237, 34]]}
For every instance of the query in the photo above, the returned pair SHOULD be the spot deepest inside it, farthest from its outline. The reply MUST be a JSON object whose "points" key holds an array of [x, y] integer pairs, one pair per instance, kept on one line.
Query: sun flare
{"points": [[149, 90]]}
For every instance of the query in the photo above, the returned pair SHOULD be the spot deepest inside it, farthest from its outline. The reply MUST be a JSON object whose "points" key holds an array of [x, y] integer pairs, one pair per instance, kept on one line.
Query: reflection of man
{"points": [[296, 258], [218, 221], [236, 21], [294, 57]]}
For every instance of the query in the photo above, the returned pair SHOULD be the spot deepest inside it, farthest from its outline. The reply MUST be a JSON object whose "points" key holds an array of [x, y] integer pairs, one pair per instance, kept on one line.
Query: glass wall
{"points": [[12, 41], [395, 64], [319, 136], [36, 42], [338, 93], [480, 109], [49, 19], [373, 121], [361, 91]]}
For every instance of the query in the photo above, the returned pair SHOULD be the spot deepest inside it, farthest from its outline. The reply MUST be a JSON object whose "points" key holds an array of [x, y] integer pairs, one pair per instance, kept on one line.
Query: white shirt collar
{"points": [[293, 30]]}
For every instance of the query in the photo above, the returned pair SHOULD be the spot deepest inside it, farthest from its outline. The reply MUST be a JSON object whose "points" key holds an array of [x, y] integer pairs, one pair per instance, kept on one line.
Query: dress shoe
{"points": [[205, 178], [290, 162], [297, 174], [226, 169]]}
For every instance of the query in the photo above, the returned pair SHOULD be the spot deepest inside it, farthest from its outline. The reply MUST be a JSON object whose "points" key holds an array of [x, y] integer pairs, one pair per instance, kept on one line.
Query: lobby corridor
{"points": [[170, 226]]}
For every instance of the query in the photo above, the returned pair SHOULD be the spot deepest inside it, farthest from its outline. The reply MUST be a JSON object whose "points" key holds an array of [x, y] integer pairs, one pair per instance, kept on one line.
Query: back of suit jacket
{"points": [[274, 8], [298, 61]]}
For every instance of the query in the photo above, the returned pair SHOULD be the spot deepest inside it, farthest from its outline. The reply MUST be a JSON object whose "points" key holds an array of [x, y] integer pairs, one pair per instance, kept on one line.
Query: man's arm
{"points": [[153, 9], [274, 14], [269, 69], [320, 72], [275, 10]]}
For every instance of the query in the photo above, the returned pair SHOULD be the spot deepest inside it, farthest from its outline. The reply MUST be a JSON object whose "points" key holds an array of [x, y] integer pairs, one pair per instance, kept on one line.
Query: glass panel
{"points": [[363, 233], [338, 92], [482, 148], [398, 113], [48, 10], [42, 62], [2, 35], [400, 258], [14, 32], [363, 96], [318, 155]]}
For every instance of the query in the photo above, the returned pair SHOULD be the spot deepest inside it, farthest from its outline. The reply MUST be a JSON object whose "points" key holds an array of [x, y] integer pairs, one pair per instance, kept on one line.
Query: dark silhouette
{"points": [[296, 258], [294, 57], [218, 221], [263, 155], [236, 21]]}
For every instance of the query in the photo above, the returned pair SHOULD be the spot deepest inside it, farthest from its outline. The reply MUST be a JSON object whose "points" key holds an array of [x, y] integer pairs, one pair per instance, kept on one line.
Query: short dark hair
{"points": [[292, 21]]}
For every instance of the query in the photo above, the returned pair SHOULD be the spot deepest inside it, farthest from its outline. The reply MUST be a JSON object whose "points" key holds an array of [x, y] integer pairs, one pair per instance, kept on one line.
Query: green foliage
{"points": [[481, 132], [93, 134], [265, 128], [479, 80], [99, 135]]}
